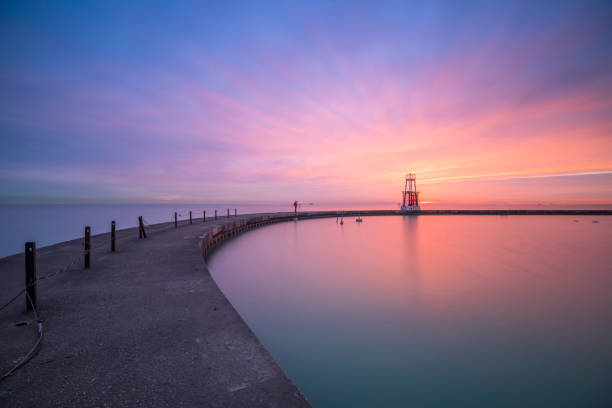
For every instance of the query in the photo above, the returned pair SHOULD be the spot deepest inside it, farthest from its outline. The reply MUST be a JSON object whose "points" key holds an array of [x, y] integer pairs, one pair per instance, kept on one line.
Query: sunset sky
{"points": [[501, 102]]}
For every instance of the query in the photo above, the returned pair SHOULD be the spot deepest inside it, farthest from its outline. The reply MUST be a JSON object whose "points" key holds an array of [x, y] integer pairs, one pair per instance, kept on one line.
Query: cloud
{"points": [[283, 107]]}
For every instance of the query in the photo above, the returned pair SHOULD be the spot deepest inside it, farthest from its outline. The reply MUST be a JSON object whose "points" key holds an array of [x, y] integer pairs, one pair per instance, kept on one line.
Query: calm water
{"points": [[49, 224], [431, 310]]}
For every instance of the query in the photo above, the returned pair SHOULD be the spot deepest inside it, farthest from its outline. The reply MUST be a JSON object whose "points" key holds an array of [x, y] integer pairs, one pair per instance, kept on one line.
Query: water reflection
{"points": [[431, 310]]}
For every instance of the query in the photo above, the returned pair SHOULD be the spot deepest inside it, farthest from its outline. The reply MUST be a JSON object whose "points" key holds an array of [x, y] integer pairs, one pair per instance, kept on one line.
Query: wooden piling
{"points": [[141, 229], [215, 213], [190, 222], [112, 236], [87, 247], [235, 212], [203, 216], [175, 220], [228, 213], [30, 272]]}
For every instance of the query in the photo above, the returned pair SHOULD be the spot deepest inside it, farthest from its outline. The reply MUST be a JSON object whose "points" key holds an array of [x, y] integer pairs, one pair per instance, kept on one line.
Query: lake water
{"points": [[48, 224], [431, 310]]}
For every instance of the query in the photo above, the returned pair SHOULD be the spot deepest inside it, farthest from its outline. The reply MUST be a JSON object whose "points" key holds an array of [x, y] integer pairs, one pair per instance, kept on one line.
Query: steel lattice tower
{"points": [[410, 197]]}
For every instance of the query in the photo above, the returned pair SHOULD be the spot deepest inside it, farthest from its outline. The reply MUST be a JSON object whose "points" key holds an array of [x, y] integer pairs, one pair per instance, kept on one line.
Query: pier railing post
{"points": [[175, 220], [31, 278], [112, 236], [87, 247], [190, 222], [235, 212], [215, 213], [203, 216], [228, 213], [141, 229]]}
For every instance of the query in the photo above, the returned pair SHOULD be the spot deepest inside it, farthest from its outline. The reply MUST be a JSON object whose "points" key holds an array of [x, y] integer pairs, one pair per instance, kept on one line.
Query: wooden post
{"points": [[175, 220], [228, 213], [190, 218], [235, 212], [31, 278], [215, 213], [112, 236], [204, 216], [87, 247], [141, 229]]}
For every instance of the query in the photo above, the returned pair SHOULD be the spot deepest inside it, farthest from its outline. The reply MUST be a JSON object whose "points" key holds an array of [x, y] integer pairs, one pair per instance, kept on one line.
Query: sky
{"points": [[113, 101]]}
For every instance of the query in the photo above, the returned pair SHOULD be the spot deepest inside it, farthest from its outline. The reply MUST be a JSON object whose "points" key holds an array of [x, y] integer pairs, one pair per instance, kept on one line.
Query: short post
{"points": [[31, 278], [112, 236], [228, 213], [175, 220], [215, 213], [204, 216], [235, 212], [190, 218], [141, 229], [87, 247]]}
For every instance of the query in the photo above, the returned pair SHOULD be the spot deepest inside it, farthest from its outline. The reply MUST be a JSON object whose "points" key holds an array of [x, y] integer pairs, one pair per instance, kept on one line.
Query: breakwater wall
{"points": [[233, 228], [137, 323]]}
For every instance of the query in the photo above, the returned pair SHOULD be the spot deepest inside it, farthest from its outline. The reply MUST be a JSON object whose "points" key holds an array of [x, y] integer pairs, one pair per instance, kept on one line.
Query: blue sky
{"points": [[205, 101]]}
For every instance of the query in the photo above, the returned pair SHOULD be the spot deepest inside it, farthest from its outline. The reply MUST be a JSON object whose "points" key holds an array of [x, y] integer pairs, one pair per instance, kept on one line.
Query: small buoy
{"points": [[595, 221]]}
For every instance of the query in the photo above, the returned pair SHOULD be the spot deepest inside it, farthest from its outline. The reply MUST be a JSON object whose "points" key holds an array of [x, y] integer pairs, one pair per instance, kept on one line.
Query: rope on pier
{"points": [[13, 298], [70, 265], [74, 261], [30, 354], [158, 227], [78, 258]]}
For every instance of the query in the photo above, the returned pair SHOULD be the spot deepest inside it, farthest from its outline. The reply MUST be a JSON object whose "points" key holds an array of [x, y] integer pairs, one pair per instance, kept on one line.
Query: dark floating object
{"points": [[576, 220], [595, 221], [22, 323]]}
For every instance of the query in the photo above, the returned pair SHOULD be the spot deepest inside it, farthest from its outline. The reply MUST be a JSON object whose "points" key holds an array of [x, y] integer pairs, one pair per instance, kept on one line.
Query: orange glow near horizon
{"points": [[487, 112]]}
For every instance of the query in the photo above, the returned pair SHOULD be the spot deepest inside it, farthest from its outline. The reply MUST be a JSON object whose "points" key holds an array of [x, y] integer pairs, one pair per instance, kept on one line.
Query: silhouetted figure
{"points": [[295, 205]]}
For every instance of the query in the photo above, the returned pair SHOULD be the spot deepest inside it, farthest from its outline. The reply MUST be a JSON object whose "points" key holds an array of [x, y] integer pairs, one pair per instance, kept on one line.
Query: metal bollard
{"points": [[87, 247], [31, 278], [141, 229], [112, 236]]}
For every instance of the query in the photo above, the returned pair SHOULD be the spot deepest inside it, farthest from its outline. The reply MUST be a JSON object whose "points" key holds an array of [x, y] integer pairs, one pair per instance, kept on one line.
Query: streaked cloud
{"points": [[318, 101]]}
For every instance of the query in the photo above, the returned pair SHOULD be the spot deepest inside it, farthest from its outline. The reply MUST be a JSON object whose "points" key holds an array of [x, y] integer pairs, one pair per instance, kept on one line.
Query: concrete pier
{"points": [[147, 325], [143, 326]]}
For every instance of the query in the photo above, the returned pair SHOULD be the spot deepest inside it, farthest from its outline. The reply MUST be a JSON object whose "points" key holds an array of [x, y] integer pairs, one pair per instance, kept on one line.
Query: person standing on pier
{"points": [[295, 206]]}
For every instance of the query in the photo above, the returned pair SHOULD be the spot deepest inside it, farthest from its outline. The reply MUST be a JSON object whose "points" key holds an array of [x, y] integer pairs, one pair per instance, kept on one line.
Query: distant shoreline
{"points": [[455, 212], [346, 213]]}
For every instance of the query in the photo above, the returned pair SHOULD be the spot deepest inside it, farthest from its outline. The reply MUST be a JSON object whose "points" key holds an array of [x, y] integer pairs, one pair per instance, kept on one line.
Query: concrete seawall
{"points": [[232, 228], [147, 325]]}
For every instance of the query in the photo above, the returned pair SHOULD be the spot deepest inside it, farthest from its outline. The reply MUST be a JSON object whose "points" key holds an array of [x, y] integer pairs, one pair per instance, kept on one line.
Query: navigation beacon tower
{"points": [[410, 197]]}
